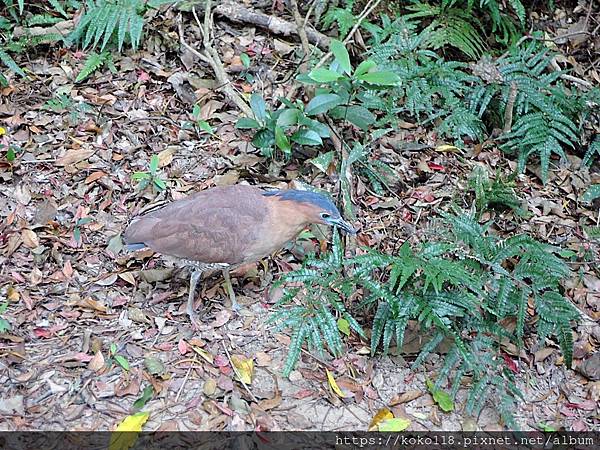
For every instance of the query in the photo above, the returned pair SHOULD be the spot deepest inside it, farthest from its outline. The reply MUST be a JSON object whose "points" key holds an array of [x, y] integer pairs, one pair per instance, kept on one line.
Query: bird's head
{"points": [[317, 207]]}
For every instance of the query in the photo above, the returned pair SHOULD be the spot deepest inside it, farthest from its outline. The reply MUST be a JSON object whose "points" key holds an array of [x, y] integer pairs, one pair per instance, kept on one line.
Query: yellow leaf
{"points": [[126, 433], [396, 424], [2, 131], [333, 384], [447, 149], [12, 294], [204, 354], [245, 368], [382, 415]]}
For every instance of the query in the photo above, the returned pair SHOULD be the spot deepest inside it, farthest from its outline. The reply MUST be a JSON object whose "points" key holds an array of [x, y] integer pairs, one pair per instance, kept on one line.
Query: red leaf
{"points": [[434, 166], [42, 332], [510, 363], [183, 347], [143, 76], [221, 361]]}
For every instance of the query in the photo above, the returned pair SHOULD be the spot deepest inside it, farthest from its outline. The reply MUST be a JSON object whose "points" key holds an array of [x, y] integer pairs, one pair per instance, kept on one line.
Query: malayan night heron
{"points": [[226, 227]]}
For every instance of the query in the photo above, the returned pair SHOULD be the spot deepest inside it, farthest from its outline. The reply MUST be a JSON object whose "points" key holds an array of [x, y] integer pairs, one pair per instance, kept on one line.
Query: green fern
{"points": [[110, 20], [592, 152], [342, 17], [497, 194], [93, 62]]}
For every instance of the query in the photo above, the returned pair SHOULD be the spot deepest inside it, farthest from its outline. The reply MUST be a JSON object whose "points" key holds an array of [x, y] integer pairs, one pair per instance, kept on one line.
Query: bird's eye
{"points": [[325, 215]]}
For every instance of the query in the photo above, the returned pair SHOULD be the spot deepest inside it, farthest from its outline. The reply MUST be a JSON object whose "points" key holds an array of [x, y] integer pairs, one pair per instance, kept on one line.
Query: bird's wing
{"points": [[203, 228]]}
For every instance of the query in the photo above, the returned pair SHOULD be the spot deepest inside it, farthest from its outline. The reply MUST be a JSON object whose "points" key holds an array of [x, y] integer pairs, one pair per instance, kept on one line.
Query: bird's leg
{"points": [[234, 304], [195, 276]]}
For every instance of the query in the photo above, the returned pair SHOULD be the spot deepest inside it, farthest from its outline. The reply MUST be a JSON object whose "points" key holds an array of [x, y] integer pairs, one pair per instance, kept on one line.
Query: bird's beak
{"points": [[343, 225]]}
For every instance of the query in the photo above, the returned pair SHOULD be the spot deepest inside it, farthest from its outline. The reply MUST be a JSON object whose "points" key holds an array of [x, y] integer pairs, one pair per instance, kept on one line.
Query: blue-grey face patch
{"points": [[313, 198]]}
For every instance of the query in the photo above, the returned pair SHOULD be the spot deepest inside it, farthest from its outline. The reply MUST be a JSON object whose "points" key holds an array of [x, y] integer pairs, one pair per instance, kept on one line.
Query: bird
{"points": [[227, 227]]}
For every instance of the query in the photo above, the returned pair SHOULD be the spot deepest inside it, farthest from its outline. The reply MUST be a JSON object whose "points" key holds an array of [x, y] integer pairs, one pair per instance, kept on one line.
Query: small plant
{"points": [[119, 359], [323, 288], [113, 21], [151, 177], [63, 102], [4, 324], [496, 194], [279, 129], [202, 125], [464, 287]]}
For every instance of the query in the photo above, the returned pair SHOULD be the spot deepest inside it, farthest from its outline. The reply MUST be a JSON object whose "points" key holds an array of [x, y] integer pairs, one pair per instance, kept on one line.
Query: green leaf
{"points": [[306, 137], [259, 107], [263, 139], [205, 126], [364, 67], [341, 55], [288, 117], [380, 78], [344, 326], [592, 193], [159, 183], [355, 114], [394, 425], [323, 75], [245, 60], [4, 325], [442, 398], [113, 348], [137, 176], [122, 362], [282, 140], [146, 395], [323, 161], [247, 123], [10, 154], [154, 161], [322, 103]]}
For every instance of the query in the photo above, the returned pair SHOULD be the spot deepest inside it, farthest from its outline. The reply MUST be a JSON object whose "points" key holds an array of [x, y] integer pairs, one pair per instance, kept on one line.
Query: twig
{"points": [[211, 57], [238, 374], [184, 381], [302, 33], [368, 9], [510, 104]]}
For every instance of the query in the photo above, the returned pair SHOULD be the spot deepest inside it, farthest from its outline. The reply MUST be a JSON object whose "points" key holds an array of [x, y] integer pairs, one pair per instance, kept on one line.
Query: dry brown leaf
{"points": [[74, 156], [94, 176], [30, 239], [97, 362], [405, 397], [166, 156]]}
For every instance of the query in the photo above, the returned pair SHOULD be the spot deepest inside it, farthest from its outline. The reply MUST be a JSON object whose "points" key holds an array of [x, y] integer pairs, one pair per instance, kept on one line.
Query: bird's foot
{"points": [[236, 308]]}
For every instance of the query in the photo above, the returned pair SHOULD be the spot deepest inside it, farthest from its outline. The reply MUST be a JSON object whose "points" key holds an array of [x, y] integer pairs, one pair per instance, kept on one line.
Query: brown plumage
{"points": [[225, 227]]}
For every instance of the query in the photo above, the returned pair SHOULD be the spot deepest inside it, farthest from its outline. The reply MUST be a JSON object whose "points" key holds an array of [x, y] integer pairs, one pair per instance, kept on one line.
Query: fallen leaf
{"points": [[245, 368], [395, 424], [333, 384], [125, 434], [405, 397], [166, 156], [74, 156], [441, 397], [30, 239], [97, 362], [382, 415]]}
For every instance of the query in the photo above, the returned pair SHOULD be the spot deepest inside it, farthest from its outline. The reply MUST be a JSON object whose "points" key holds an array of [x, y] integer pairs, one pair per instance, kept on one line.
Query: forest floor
{"points": [[93, 327]]}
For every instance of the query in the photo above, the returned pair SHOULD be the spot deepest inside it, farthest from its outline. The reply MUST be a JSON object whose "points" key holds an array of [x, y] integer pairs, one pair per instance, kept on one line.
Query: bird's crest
{"points": [[314, 198]]}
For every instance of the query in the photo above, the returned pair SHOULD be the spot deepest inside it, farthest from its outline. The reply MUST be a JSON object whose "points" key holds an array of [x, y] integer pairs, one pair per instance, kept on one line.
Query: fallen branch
{"points": [[211, 57], [239, 14]]}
